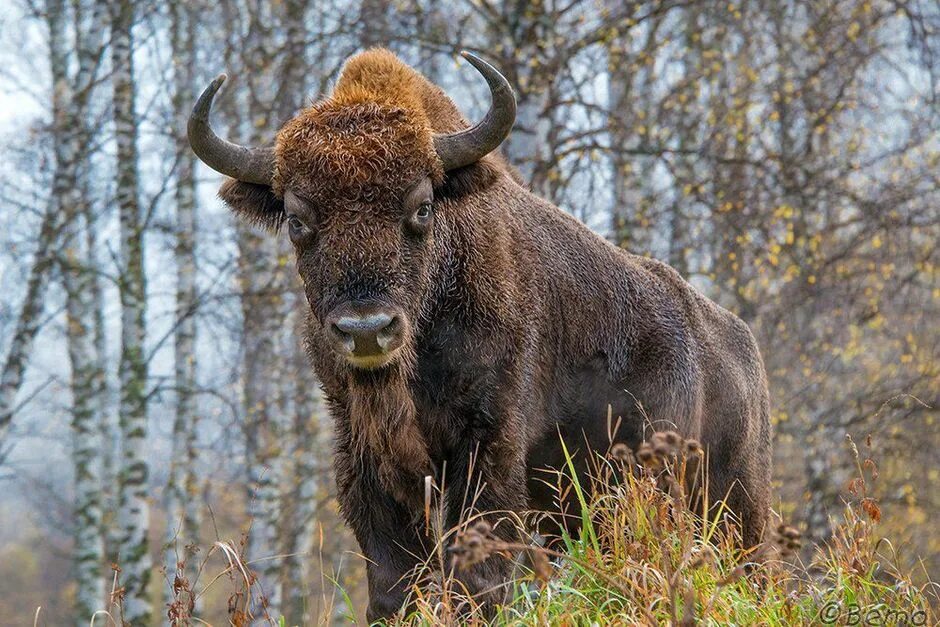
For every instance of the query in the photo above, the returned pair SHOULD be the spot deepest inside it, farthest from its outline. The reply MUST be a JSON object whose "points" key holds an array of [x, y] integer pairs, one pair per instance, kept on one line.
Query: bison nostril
{"points": [[389, 334], [343, 339]]}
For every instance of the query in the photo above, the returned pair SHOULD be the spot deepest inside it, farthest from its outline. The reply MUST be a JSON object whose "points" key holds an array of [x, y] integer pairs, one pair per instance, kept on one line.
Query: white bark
{"points": [[88, 549], [818, 470], [107, 424], [528, 148], [89, 542], [134, 513], [264, 267], [303, 490], [181, 490], [90, 48], [631, 224], [263, 287], [257, 260], [71, 148]]}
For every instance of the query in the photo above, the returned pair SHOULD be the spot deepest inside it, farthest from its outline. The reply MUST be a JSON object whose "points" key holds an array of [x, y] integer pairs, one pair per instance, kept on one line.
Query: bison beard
{"points": [[385, 427], [516, 325]]}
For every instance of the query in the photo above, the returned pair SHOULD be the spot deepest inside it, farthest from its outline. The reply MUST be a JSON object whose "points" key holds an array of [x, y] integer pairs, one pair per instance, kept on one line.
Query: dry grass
{"points": [[644, 556]]}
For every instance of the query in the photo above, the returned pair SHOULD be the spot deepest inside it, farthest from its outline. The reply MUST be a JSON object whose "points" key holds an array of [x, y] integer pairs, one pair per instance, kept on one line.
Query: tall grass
{"points": [[644, 554], [645, 557]]}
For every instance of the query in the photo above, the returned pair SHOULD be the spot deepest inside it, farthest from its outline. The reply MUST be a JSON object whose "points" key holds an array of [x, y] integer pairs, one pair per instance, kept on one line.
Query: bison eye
{"points": [[421, 217], [296, 229]]}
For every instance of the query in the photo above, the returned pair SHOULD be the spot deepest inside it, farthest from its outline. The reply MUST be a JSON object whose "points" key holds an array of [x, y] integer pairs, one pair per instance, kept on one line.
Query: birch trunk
{"points": [[275, 92], [86, 434], [134, 513], [262, 290], [819, 471], [304, 477], [261, 282], [255, 257], [261, 312], [181, 489], [686, 128], [90, 45], [70, 146], [107, 424]]}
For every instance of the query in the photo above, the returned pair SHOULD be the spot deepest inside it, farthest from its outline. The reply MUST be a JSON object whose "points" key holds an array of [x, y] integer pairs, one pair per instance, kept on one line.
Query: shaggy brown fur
{"points": [[521, 324]]}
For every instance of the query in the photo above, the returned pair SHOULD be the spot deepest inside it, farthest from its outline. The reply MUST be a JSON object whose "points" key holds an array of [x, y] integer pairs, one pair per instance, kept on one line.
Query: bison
{"points": [[460, 324]]}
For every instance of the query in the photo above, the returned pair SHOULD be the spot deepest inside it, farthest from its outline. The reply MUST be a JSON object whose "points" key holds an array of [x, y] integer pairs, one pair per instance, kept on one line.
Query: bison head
{"points": [[353, 177]]}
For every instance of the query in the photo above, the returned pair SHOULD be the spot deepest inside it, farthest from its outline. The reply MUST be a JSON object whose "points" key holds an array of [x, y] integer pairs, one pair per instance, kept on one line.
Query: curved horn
{"points": [[465, 147], [251, 165]]}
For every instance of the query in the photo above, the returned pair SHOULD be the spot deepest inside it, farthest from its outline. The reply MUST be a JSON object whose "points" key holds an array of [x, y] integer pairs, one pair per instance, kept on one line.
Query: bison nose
{"points": [[365, 331]]}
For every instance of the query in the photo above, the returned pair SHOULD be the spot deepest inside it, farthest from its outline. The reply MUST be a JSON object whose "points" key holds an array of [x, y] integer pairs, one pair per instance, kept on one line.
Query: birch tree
{"points": [[523, 38], [91, 21], [303, 486], [271, 79], [134, 515], [300, 430], [84, 327], [182, 486], [71, 142]]}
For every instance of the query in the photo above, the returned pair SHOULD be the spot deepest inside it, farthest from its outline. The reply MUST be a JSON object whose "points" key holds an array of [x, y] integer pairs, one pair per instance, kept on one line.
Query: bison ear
{"points": [[254, 203]]}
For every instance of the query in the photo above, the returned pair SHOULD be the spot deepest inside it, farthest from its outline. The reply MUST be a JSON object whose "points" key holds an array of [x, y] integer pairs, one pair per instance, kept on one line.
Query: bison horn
{"points": [[465, 147], [251, 165]]}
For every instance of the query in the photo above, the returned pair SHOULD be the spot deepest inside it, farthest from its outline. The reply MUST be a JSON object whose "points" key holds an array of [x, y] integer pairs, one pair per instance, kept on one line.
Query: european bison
{"points": [[460, 323]]}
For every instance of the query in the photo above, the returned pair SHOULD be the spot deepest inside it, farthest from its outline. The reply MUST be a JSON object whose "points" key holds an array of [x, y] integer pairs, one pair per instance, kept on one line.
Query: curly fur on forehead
{"points": [[373, 134]]}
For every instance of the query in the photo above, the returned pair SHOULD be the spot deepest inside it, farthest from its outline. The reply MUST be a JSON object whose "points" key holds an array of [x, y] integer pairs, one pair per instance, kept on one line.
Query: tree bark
{"points": [[521, 35], [70, 146], [28, 321], [182, 486], [274, 90], [134, 512], [301, 495]]}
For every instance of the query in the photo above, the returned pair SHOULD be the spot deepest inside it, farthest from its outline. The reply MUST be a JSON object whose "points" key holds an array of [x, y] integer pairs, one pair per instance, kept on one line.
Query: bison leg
{"points": [[390, 568], [387, 533], [487, 483], [744, 485]]}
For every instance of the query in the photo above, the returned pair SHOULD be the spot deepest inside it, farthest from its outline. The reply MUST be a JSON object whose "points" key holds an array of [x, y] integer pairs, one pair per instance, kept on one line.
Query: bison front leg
{"points": [[387, 533], [488, 484], [392, 555]]}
